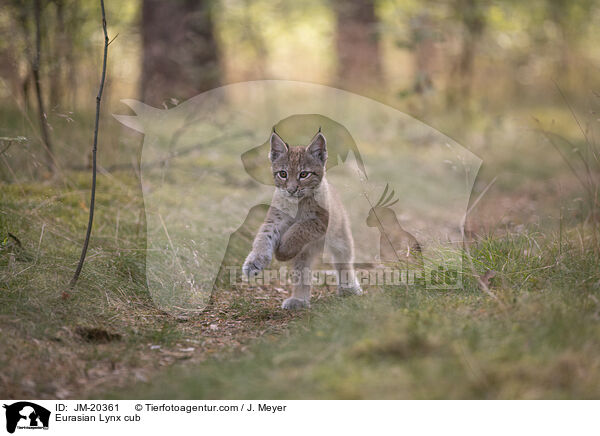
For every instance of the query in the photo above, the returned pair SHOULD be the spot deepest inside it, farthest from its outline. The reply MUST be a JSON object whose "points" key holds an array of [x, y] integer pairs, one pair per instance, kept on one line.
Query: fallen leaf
{"points": [[484, 279]]}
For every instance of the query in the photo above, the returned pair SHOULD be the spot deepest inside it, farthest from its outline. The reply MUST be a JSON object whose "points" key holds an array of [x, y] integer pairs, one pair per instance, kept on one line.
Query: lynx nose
{"points": [[292, 189]]}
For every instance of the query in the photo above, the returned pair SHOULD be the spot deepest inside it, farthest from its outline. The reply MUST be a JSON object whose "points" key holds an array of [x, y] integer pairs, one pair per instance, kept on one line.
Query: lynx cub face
{"points": [[297, 234], [298, 171]]}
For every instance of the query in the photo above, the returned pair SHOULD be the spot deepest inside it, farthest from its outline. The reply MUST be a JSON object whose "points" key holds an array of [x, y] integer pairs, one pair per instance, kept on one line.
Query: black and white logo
{"points": [[26, 415]]}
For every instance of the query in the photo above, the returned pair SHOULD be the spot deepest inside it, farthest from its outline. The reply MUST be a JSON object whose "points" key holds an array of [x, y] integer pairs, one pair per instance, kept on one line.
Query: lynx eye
{"points": [[304, 174], [282, 174]]}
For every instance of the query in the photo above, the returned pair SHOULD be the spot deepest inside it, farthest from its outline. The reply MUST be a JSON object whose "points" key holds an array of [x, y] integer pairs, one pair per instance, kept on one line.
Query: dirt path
{"points": [[79, 362]]}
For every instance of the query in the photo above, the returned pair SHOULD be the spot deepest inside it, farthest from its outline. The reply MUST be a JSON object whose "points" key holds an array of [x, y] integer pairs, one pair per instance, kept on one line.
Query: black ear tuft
{"points": [[318, 147], [278, 146]]}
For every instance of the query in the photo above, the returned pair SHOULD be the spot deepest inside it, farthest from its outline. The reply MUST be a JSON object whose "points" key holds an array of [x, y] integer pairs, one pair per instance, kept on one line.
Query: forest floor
{"points": [[108, 332], [537, 337]]}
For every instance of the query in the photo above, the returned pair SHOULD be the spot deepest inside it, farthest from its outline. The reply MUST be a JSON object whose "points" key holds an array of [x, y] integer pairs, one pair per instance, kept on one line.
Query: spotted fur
{"points": [[304, 209]]}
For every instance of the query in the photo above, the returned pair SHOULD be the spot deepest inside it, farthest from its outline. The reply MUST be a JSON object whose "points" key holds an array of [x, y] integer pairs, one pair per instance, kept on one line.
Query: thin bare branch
{"points": [[94, 152], [112, 40], [481, 195], [566, 159]]}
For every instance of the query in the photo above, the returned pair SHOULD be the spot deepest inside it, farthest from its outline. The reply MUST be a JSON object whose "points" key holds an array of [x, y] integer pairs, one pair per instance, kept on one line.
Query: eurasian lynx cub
{"points": [[303, 208]]}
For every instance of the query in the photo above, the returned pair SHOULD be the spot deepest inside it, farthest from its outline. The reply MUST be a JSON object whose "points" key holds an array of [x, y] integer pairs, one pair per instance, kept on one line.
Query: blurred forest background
{"points": [[515, 82], [466, 67]]}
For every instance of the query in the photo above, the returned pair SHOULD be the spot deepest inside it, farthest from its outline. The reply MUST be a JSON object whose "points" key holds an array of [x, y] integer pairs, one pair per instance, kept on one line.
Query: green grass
{"points": [[541, 339], [109, 331], [538, 338], [49, 345], [49, 222]]}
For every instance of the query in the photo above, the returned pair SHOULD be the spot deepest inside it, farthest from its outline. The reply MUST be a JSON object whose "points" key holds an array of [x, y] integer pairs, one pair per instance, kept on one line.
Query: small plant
{"points": [[584, 164]]}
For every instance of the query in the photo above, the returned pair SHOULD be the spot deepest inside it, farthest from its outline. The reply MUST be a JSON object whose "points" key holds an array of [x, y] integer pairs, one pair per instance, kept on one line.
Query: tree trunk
{"points": [[180, 56], [357, 43], [473, 19], [57, 54], [38, 89], [424, 52]]}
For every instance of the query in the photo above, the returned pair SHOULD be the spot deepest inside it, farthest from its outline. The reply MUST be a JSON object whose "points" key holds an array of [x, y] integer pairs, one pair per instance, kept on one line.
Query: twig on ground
{"points": [[14, 238], [481, 281], [10, 141], [37, 253]]}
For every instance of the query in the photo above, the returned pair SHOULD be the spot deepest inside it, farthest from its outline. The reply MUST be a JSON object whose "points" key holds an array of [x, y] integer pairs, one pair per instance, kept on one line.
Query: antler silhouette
{"points": [[385, 201]]}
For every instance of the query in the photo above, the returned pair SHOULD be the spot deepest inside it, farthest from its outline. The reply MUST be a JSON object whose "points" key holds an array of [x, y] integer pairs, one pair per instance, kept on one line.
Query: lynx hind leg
{"points": [[343, 256], [347, 283], [302, 278]]}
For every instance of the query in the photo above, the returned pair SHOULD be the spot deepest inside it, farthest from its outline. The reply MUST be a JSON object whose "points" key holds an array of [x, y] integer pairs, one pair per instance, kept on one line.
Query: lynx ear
{"points": [[318, 147], [278, 146]]}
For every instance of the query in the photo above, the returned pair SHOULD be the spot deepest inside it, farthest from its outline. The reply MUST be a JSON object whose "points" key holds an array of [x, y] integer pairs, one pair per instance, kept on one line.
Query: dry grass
{"points": [[109, 332]]}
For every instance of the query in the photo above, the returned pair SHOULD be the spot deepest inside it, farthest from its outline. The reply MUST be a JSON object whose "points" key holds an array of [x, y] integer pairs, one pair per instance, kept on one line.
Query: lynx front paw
{"points": [[254, 263], [294, 304]]}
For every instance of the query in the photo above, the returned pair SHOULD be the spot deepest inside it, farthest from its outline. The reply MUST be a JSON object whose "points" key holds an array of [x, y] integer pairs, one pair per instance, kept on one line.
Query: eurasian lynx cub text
{"points": [[303, 209]]}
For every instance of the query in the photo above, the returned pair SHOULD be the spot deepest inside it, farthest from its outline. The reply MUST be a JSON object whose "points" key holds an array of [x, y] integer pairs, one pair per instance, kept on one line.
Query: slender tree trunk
{"points": [[58, 56], [424, 52], [357, 43], [472, 17], [180, 56], [38, 88]]}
